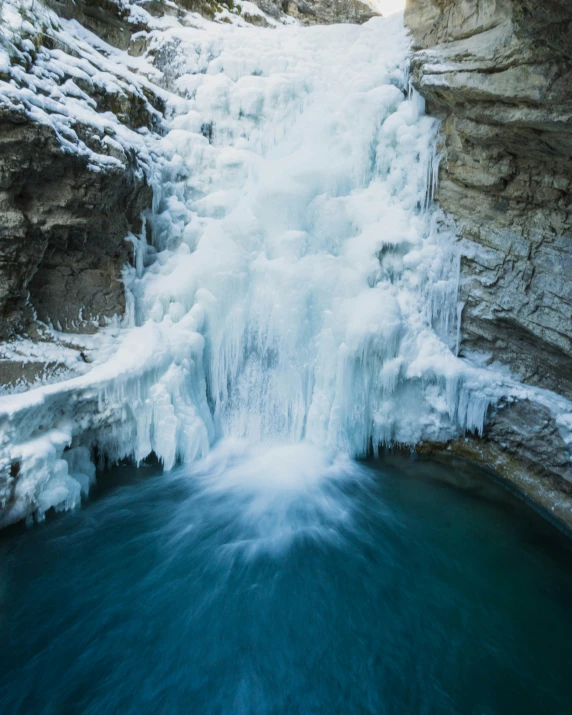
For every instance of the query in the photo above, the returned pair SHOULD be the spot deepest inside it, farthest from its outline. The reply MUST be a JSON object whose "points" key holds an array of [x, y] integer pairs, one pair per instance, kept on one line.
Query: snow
{"points": [[44, 84], [293, 283]]}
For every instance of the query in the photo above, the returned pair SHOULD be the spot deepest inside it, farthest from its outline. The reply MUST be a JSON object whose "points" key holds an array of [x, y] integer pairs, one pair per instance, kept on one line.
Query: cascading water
{"points": [[292, 284]]}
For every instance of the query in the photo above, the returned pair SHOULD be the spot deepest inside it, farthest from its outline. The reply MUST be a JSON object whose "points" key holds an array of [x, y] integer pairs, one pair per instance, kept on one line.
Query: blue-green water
{"points": [[285, 581]]}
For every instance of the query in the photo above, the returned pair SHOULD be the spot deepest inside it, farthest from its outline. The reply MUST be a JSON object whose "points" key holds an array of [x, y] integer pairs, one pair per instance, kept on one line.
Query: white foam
{"points": [[271, 494]]}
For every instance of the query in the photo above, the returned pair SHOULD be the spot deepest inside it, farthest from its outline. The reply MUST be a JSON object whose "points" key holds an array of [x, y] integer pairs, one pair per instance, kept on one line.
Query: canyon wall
{"points": [[318, 12], [62, 237], [71, 187], [499, 74], [112, 20]]}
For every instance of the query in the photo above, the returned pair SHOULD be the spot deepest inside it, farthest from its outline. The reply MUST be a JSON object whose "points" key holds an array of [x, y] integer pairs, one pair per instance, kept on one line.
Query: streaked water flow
{"points": [[286, 580]]}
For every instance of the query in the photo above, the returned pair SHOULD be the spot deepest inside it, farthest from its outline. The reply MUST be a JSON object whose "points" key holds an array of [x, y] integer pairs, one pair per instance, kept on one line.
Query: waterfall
{"points": [[297, 249], [293, 281]]}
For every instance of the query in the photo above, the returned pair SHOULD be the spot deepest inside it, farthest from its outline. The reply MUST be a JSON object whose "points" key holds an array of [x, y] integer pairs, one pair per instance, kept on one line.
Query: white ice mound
{"points": [[297, 288]]}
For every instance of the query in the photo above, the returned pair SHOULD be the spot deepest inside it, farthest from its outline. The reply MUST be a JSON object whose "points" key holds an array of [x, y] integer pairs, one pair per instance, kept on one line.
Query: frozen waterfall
{"points": [[292, 283], [295, 251]]}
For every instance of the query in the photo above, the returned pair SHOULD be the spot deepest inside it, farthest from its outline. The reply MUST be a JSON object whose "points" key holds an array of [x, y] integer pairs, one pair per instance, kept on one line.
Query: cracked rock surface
{"points": [[313, 12], [62, 238], [499, 74]]}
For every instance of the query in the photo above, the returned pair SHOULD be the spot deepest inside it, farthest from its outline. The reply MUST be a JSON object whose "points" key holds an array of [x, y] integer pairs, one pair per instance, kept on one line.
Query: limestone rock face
{"points": [[106, 18], [70, 190], [527, 433], [319, 12], [62, 237], [112, 21], [499, 73]]}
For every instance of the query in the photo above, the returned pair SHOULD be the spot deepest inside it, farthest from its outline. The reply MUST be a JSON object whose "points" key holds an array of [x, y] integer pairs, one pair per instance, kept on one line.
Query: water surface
{"points": [[289, 581]]}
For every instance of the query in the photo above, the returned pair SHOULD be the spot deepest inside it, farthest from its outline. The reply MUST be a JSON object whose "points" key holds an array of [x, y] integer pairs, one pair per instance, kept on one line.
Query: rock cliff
{"points": [[319, 12], [499, 74], [62, 238], [112, 20], [73, 183]]}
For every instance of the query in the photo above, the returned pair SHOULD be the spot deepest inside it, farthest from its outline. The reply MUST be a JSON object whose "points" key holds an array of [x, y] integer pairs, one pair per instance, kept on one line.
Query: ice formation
{"points": [[294, 282]]}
